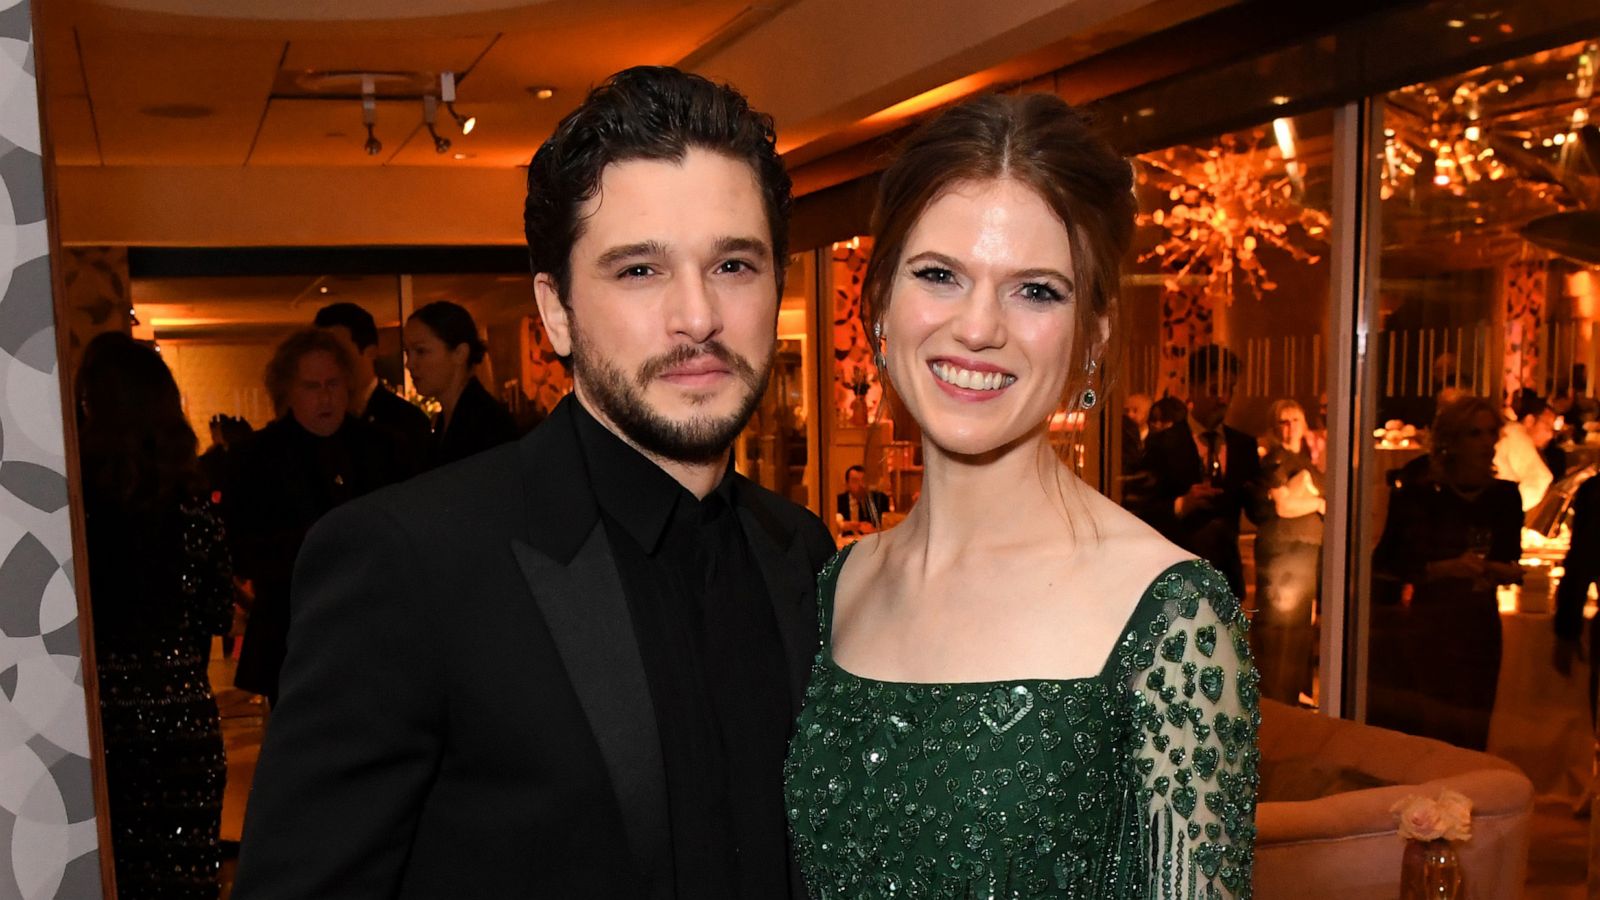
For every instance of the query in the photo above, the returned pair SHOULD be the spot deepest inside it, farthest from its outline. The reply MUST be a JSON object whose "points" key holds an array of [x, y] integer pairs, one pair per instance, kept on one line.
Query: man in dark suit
{"points": [[370, 400], [860, 510], [568, 666], [1205, 471]]}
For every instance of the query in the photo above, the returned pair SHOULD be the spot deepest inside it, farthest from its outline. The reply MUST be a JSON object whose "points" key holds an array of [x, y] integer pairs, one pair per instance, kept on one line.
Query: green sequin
{"points": [[1137, 783]]}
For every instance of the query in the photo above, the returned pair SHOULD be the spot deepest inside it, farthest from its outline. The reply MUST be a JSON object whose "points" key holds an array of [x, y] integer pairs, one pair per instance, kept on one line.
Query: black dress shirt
{"points": [[715, 664]]}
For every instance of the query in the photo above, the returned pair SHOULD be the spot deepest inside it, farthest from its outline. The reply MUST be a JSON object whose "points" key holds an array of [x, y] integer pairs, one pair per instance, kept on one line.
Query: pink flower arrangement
{"points": [[1427, 819]]}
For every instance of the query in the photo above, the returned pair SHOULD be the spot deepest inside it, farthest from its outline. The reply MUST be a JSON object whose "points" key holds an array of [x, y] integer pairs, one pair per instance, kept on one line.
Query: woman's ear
{"points": [[554, 313]]}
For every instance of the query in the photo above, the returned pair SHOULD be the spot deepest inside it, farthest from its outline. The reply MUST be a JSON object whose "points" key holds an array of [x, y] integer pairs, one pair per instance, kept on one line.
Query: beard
{"points": [[700, 438]]}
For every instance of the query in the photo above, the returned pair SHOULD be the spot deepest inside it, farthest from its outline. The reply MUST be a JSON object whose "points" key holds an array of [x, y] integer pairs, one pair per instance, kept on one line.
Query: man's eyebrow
{"points": [[630, 251], [753, 246]]}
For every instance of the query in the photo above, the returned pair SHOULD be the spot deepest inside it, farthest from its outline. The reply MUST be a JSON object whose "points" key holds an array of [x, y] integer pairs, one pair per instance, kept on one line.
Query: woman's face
{"points": [[1291, 426], [433, 366], [1473, 461], [981, 317]]}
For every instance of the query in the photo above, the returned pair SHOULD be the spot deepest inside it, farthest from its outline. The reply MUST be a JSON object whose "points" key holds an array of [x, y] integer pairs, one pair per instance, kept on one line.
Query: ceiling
{"points": [[166, 119]]}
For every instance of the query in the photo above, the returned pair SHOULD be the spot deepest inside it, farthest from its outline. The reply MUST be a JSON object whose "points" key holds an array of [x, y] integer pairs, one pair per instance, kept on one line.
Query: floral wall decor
{"points": [[857, 391]]}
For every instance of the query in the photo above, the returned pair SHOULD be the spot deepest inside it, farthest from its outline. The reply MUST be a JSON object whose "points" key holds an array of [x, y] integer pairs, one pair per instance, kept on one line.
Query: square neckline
{"points": [[830, 590]]}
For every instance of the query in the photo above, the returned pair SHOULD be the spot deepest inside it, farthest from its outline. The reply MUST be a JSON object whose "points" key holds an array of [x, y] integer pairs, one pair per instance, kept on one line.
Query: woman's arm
{"points": [[1196, 719]]}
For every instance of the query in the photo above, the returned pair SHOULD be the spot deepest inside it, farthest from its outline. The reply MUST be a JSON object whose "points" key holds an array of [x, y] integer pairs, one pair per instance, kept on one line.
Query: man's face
{"points": [[671, 318], [362, 359], [856, 482], [320, 395], [1542, 428], [1209, 399], [1137, 409]]}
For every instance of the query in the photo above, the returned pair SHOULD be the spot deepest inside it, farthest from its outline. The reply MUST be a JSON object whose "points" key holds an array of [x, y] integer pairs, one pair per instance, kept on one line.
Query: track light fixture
{"points": [[430, 112], [369, 115], [447, 93]]}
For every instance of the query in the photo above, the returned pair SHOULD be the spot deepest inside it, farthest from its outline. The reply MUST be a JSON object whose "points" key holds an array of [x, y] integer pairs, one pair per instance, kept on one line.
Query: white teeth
{"points": [[972, 381]]}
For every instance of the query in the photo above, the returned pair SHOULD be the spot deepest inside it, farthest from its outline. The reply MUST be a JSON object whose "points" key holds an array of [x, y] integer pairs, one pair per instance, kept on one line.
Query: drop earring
{"points": [[877, 350], [1089, 398]]}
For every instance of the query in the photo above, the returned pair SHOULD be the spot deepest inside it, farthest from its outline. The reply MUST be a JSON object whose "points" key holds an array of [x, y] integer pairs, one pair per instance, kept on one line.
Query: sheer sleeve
{"points": [[1194, 740]]}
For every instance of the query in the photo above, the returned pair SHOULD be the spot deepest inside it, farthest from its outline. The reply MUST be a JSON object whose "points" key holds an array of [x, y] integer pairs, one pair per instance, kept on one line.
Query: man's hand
{"points": [[1200, 497], [1503, 572], [1467, 565]]}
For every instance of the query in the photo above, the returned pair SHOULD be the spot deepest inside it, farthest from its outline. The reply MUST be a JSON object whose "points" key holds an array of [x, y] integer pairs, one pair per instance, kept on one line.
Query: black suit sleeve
{"points": [[1257, 505], [1583, 560], [356, 738]]}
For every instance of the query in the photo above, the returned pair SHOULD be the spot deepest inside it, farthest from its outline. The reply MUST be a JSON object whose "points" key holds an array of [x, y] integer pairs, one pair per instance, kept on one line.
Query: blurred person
{"points": [[594, 640], [443, 350], [1519, 453], [311, 458], [1135, 431], [228, 434], [1207, 472], [1288, 556], [1582, 571], [1165, 413], [1454, 536], [860, 511], [160, 586], [371, 400]]}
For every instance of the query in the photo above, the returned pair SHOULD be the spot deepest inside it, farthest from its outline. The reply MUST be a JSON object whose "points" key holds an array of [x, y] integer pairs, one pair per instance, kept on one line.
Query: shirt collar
{"points": [[633, 491]]}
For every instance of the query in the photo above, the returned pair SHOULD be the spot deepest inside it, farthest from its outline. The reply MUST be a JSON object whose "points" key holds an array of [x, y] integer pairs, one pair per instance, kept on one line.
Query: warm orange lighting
{"points": [[921, 103]]}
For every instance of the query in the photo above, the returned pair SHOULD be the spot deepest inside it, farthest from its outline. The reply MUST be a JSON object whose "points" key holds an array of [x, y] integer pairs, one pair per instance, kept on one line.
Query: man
{"points": [[370, 400], [1205, 471], [313, 457], [860, 510], [590, 644], [1519, 455]]}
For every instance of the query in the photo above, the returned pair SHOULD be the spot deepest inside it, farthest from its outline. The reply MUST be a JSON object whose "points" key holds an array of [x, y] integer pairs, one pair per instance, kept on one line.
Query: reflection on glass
{"points": [[1485, 407], [1223, 402]]}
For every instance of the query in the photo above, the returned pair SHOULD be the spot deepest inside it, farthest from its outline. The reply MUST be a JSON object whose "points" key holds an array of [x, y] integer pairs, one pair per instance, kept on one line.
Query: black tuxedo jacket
{"points": [[408, 425], [841, 505], [1212, 534], [464, 711]]}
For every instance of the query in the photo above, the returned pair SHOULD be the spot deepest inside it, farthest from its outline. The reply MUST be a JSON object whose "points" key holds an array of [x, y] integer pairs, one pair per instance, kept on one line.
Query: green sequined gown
{"points": [[1139, 782]]}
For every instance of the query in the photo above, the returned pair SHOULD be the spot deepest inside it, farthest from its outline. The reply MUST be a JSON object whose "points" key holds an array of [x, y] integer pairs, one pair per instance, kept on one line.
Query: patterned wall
{"points": [[857, 392], [1526, 285], [47, 828]]}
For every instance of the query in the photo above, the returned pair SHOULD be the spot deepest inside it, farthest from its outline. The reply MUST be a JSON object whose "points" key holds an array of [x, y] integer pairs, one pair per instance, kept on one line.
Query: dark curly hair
{"points": [[285, 362], [653, 113], [136, 447]]}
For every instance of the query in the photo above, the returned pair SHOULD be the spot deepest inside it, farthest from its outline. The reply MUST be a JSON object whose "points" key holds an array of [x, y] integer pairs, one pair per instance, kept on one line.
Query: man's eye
{"points": [[639, 271], [934, 275], [733, 266]]}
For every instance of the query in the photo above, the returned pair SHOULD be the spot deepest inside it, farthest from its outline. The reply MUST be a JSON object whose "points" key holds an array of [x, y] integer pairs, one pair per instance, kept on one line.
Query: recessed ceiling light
{"points": [[543, 92], [323, 289], [463, 156], [1456, 23], [1280, 100]]}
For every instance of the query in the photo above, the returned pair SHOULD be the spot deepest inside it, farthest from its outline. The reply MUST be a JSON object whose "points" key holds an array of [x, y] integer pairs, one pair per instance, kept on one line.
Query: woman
{"points": [[160, 586], [313, 457], [1023, 690], [1288, 556], [1454, 536], [442, 350]]}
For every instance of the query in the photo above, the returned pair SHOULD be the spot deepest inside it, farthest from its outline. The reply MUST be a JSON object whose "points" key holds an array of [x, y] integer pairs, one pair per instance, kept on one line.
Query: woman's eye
{"points": [[1039, 292], [935, 275]]}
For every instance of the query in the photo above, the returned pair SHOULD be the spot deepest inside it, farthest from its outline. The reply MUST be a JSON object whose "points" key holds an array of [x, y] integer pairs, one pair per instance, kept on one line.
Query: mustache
{"points": [[652, 368]]}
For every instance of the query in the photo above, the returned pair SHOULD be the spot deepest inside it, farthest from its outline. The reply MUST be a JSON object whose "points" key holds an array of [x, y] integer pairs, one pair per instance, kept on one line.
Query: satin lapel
{"points": [[587, 613], [792, 589]]}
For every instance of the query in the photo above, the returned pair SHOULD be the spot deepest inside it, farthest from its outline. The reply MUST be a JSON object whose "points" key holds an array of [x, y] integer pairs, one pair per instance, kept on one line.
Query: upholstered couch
{"points": [[1324, 829]]}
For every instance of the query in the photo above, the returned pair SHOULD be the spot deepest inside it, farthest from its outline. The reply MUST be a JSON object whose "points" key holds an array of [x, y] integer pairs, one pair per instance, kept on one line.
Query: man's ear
{"points": [[553, 312]]}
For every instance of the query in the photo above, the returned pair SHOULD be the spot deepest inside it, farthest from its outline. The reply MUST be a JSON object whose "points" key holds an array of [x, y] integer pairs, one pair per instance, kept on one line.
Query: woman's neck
{"points": [[1020, 494]]}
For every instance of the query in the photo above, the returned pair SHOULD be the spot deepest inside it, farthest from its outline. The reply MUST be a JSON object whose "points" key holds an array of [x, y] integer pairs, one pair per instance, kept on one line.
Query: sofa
{"points": [[1324, 826]]}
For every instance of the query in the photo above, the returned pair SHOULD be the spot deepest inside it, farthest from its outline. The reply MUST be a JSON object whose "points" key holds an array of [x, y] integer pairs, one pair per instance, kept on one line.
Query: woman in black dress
{"points": [[442, 351], [1452, 536], [160, 586]]}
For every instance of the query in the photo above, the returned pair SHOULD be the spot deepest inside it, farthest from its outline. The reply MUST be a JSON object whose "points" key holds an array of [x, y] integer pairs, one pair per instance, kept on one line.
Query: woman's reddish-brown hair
{"points": [[1051, 147]]}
